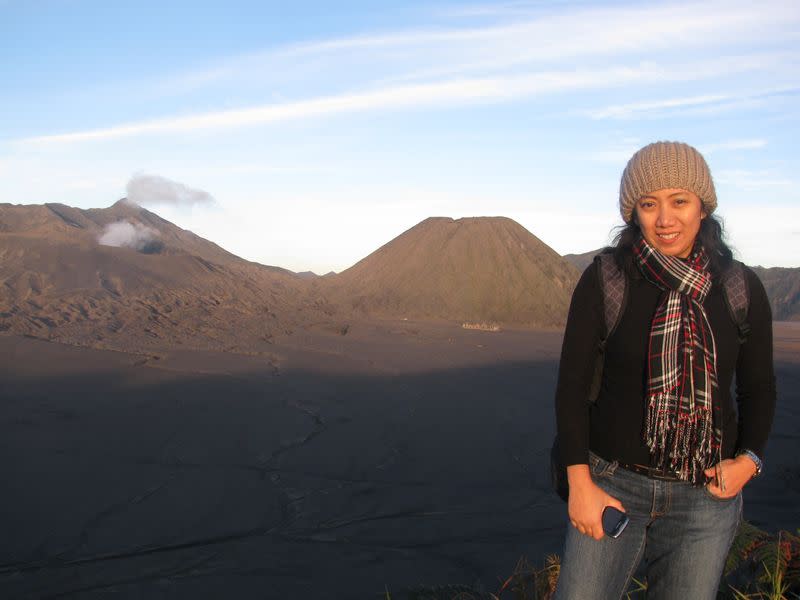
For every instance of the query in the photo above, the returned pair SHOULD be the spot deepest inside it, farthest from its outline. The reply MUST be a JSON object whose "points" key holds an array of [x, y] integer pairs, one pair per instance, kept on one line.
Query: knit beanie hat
{"points": [[663, 165]]}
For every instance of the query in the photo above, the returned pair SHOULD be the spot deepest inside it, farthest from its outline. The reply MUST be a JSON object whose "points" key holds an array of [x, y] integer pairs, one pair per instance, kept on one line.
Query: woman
{"points": [[663, 442]]}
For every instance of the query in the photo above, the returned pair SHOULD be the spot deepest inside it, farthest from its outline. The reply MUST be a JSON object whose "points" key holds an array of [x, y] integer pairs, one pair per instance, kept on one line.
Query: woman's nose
{"points": [[665, 216]]}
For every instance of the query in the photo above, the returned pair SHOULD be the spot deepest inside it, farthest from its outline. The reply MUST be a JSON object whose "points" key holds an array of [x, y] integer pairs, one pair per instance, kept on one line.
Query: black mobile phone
{"points": [[614, 521]]}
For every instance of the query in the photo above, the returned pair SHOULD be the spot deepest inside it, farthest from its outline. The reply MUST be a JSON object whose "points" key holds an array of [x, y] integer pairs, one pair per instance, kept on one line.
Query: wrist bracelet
{"points": [[754, 457]]}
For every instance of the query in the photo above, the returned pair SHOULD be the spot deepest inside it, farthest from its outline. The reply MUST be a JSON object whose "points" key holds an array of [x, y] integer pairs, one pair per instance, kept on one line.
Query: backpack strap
{"points": [[615, 291], [737, 298], [614, 288]]}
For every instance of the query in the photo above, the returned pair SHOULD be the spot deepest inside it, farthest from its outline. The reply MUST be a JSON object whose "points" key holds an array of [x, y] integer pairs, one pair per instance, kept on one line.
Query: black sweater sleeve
{"points": [[755, 376], [585, 326]]}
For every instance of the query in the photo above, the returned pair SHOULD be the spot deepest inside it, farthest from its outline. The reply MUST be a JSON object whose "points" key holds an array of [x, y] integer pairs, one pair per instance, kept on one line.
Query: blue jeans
{"points": [[682, 532]]}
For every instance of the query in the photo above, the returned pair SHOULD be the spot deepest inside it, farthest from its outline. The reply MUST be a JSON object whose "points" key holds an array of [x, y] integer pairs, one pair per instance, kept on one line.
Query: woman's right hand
{"points": [[587, 501]]}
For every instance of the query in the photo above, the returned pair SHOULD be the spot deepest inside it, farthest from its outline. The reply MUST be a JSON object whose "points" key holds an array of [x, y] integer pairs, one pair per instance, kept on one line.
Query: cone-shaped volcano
{"points": [[481, 269]]}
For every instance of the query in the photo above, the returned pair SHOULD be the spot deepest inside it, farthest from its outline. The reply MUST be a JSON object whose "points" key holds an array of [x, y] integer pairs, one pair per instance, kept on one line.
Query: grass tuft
{"points": [[760, 566]]}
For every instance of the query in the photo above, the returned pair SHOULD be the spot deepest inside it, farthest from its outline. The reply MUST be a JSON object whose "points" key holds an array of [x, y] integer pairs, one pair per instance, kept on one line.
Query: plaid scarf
{"points": [[682, 426]]}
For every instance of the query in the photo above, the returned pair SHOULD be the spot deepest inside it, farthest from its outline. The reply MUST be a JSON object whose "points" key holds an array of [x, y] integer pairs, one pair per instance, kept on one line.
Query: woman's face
{"points": [[670, 220]]}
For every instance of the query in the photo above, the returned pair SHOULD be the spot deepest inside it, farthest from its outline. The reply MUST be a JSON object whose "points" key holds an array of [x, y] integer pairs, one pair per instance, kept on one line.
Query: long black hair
{"points": [[710, 236]]}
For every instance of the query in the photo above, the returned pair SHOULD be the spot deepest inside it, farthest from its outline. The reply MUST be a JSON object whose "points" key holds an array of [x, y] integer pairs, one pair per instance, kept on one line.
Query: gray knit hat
{"points": [[664, 165]]}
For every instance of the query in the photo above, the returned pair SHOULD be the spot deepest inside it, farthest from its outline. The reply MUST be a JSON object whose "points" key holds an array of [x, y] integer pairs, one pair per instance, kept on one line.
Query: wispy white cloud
{"points": [[684, 17], [441, 93], [462, 64], [252, 168], [446, 92], [619, 153], [692, 104], [633, 109], [552, 34], [751, 144], [742, 178], [499, 9], [588, 31]]}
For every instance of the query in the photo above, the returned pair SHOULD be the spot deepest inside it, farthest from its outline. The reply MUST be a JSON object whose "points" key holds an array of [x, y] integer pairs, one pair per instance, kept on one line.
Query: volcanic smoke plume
{"points": [[149, 190], [131, 235]]}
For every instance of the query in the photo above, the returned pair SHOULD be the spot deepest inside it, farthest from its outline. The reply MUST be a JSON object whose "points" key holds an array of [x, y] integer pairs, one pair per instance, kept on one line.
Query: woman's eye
{"points": [[647, 204]]}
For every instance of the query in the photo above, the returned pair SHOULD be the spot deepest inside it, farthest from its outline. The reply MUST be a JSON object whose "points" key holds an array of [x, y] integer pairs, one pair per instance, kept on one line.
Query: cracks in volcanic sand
{"points": [[182, 571], [289, 497], [114, 510], [314, 536], [176, 466], [92, 524], [143, 551], [193, 568], [334, 524], [319, 427]]}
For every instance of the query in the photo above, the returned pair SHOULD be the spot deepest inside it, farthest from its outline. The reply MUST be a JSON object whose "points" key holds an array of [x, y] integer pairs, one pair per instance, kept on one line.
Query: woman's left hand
{"points": [[736, 472]]}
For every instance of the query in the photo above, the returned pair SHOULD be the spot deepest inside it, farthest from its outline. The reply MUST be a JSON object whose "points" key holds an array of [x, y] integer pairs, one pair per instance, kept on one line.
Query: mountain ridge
{"points": [[157, 285], [60, 283]]}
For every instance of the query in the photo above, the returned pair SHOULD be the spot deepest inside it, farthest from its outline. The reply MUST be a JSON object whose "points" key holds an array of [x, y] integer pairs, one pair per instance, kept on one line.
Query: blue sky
{"points": [[320, 130]]}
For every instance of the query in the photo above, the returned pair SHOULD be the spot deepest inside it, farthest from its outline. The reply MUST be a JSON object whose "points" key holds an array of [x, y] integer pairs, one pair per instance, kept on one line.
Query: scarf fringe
{"points": [[684, 444]]}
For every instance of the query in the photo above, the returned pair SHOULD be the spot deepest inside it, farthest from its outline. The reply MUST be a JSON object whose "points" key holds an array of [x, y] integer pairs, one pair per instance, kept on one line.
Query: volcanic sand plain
{"points": [[338, 464]]}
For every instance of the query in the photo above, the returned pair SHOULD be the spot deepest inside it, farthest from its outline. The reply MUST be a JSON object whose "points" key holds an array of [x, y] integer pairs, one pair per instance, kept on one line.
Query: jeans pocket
{"points": [[708, 493], [600, 467]]}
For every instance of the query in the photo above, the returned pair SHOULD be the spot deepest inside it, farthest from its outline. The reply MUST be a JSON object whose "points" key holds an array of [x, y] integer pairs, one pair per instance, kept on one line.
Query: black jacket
{"points": [[612, 428]]}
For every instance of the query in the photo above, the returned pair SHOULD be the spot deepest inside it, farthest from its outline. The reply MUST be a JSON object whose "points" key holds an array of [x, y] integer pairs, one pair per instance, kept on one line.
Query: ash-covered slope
{"points": [[581, 261], [783, 288], [481, 269], [160, 285]]}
